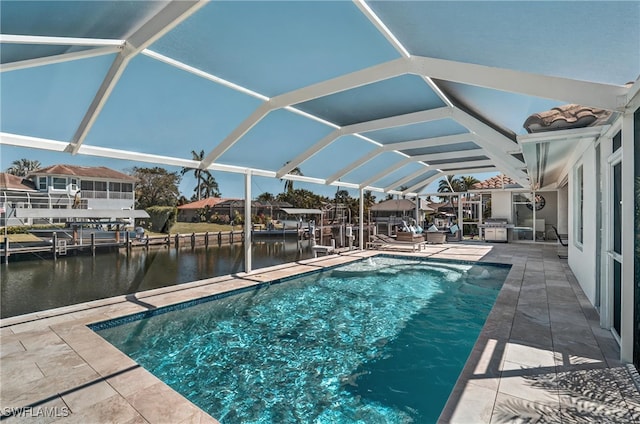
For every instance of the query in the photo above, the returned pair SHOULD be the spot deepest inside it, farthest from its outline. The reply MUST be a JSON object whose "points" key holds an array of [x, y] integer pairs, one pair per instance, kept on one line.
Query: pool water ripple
{"points": [[378, 341]]}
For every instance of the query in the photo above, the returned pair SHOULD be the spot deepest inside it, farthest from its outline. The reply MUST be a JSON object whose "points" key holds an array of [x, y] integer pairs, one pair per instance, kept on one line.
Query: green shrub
{"points": [[238, 219], [220, 219], [162, 217]]}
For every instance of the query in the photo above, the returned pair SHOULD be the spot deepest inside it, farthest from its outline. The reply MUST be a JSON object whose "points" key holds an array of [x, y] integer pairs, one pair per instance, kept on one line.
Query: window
{"points": [[617, 141], [617, 208], [59, 183], [127, 187], [100, 186], [86, 185], [579, 211], [42, 183], [115, 187]]}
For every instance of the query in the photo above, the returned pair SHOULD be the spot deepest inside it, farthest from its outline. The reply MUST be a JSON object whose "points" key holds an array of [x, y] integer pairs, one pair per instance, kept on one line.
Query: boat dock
{"points": [[59, 246]]}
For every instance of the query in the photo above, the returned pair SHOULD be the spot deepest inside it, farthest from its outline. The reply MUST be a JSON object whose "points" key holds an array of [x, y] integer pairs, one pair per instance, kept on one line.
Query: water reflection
{"points": [[36, 285]]}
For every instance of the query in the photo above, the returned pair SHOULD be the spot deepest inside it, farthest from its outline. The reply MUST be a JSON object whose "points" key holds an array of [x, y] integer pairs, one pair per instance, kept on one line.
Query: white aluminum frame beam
{"points": [[448, 155], [162, 22], [59, 58], [415, 189], [464, 170], [58, 41], [400, 120], [605, 96], [377, 124], [430, 142], [235, 135], [412, 144], [562, 135], [285, 101], [633, 97], [400, 48], [373, 74], [364, 159], [324, 142], [434, 156], [408, 178], [497, 147]]}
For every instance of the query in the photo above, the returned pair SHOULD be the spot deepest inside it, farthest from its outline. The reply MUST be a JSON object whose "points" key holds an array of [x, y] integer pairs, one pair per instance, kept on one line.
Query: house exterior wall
{"points": [[582, 255], [501, 205], [563, 210], [549, 213]]}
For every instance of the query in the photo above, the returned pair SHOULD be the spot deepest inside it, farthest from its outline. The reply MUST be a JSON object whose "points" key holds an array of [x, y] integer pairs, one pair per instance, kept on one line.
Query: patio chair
{"points": [[559, 237]]}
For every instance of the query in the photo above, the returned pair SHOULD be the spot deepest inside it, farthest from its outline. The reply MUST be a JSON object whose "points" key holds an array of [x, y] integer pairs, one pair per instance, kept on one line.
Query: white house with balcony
{"points": [[60, 193], [92, 187]]}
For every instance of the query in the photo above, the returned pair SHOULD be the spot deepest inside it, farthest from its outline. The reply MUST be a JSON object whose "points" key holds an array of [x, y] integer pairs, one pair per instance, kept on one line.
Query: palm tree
{"points": [[209, 187], [288, 184], [369, 200], [203, 177], [265, 197], [468, 181], [22, 167], [450, 184]]}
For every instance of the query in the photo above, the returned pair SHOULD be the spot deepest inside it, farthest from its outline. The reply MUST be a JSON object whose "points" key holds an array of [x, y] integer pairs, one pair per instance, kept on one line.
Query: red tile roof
{"points": [[496, 182], [83, 171], [209, 201], [11, 182], [565, 117]]}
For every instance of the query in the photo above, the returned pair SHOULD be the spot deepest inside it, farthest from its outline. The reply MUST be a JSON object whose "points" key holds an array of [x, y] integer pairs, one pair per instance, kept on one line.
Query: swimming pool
{"points": [[379, 340]]}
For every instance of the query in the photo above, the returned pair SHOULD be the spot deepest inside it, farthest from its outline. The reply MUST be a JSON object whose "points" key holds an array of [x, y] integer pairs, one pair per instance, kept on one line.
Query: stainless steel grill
{"points": [[495, 229]]}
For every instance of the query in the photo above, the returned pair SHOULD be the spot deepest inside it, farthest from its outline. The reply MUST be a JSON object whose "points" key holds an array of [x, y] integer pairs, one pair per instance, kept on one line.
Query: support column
{"points": [[361, 223], [460, 216], [247, 222], [628, 235], [418, 210]]}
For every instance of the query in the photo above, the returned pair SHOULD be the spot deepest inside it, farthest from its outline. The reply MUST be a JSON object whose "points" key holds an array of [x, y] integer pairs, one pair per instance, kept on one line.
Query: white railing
{"points": [[116, 195]]}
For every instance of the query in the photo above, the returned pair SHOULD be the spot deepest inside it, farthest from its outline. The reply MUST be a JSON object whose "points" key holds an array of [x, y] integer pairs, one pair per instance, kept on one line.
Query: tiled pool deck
{"points": [[541, 356]]}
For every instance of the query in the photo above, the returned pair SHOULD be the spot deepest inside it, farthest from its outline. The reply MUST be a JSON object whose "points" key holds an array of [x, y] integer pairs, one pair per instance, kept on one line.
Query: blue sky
{"points": [[158, 109]]}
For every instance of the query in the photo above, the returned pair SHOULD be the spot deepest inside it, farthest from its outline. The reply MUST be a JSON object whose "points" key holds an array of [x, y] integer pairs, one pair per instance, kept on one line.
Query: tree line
{"points": [[156, 186]]}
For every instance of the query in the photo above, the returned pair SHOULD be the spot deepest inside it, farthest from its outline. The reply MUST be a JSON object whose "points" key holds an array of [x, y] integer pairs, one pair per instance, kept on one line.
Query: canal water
{"points": [[40, 284]]}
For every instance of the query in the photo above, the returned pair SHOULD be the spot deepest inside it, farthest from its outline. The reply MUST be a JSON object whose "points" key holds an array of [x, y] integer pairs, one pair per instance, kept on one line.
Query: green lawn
{"points": [[201, 227]]}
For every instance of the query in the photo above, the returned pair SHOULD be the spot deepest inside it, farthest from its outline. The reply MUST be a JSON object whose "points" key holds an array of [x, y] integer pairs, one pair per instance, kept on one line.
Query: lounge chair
{"points": [[381, 241]]}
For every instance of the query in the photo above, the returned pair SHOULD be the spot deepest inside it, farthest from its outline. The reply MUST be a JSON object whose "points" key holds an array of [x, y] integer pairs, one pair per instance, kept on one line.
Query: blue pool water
{"points": [[377, 341]]}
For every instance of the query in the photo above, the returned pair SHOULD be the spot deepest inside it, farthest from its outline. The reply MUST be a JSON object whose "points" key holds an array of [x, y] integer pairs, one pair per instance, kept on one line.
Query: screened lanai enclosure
{"points": [[387, 96]]}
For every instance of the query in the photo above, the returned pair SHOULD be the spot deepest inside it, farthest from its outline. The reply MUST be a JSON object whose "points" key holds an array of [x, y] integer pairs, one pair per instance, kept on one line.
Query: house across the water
{"points": [[65, 193]]}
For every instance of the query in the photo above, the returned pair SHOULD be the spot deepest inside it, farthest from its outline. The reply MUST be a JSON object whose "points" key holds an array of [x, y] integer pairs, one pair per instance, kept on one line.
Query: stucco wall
{"points": [[582, 259], [563, 210], [501, 204]]}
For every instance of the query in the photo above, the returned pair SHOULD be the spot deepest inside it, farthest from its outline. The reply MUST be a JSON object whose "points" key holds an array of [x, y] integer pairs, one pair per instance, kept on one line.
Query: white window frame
{"points": [[578, 208], [53, 183]]}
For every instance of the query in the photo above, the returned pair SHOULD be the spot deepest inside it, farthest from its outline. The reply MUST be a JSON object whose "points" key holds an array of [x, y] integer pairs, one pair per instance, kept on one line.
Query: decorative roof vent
{"points": [[566, 117]]}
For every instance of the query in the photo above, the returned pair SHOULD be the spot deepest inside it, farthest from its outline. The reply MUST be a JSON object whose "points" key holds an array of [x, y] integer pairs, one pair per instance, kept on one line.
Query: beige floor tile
{"points": [[522, 355], [511, 409], [159, 403], [133, 380], [475, 405], [44, 413], [85, 397], [114, 409]]}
